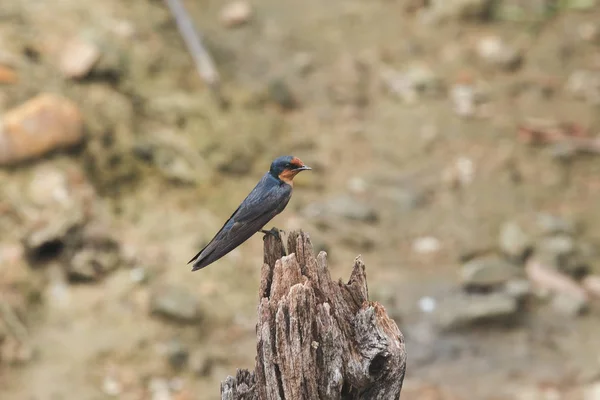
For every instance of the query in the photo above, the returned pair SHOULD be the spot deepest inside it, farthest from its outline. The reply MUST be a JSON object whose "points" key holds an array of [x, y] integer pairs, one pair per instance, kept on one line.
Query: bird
{"points": [[268, 198]]}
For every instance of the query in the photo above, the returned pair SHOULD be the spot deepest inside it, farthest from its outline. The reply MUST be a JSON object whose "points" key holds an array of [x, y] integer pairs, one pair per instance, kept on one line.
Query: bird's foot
{"points": [[273, 231], [277, 234]]}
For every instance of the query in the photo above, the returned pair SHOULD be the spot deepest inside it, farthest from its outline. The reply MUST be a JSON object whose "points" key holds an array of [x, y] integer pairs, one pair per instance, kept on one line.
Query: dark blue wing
{"points": [[264, 202]]}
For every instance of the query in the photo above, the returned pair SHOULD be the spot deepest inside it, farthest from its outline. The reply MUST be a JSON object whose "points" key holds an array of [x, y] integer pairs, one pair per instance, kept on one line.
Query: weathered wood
{"points": [[318, 339]]}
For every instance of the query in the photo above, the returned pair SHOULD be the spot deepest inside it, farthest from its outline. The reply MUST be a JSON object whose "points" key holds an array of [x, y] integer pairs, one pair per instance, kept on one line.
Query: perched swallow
{"points": [[265, 201]]}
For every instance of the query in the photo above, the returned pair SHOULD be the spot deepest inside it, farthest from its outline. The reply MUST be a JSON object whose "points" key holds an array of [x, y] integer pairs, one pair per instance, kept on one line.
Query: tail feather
{"points": [[201, 259]]}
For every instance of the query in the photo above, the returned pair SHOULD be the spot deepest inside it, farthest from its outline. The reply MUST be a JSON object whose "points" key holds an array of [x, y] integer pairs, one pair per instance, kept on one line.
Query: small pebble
{"points": [[494, 51], [78, 57], [427, 304], [111, 386], [138, 275], [514, 242], [459, 174], [8, 75], [463, 99], [426, 245], [236, 14], [38, 126]]}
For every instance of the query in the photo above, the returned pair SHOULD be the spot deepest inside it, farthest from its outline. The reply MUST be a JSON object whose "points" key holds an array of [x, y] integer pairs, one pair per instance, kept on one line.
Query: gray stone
{"points": [[513, 241], [462, 310], [343, 206], [175, 303], [488, 272], [551, 225], [519, 289], [569, 304]]}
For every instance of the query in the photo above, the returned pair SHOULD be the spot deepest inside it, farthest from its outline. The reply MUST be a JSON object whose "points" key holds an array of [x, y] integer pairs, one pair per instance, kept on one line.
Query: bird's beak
{"points": [[304, 168]]}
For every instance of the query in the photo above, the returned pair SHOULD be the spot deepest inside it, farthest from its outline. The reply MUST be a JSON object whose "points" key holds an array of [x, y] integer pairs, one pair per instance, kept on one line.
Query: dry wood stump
{"points": [[316, 338]]}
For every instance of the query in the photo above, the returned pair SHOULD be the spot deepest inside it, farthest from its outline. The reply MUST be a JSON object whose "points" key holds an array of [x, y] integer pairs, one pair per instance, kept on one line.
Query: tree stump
{"points": [[318, 339]]}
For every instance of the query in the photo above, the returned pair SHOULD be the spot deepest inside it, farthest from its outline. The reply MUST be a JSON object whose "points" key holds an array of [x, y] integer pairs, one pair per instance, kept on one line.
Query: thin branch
{"points": [[193, 40]]}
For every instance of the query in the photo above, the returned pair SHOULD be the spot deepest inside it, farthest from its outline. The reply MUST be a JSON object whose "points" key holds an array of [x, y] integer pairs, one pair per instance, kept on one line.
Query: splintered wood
{"points": [[318, 339]]}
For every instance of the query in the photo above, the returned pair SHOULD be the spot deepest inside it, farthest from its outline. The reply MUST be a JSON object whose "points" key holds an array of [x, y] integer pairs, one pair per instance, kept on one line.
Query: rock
{"points": [[280, 94], [519, 289], [514, 242], [235, 14], [558, 245], [495, 52], [488, 272], [8, 75], [175, 303], [78, 57], [459, 9], [462, 310], [591, 284], [44, 123], [426, 245], [343, 206], [551, 225], [569, 304]]}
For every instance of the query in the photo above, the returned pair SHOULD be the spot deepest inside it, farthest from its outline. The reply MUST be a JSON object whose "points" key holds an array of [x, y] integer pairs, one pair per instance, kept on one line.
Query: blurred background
{"points": [[453, 145]]}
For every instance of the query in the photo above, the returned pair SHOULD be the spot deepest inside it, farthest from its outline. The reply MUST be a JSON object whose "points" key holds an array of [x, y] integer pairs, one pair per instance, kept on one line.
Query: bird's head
{"points": [[285, 168]]}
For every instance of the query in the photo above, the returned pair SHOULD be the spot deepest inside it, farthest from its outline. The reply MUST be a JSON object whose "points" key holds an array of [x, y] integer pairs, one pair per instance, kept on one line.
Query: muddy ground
{"points": [[414, 116]]}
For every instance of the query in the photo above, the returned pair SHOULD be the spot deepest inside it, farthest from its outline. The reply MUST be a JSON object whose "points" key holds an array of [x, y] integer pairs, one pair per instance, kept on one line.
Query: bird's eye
{"points": [[288, 165]]}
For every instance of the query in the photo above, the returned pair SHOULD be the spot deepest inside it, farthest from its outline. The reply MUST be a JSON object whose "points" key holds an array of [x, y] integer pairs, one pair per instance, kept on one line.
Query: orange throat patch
{"points": [[288, 175]]}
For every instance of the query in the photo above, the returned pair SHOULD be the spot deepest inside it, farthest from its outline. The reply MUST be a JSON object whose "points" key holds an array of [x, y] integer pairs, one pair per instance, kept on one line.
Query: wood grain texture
{"points": [[316, 338]]}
